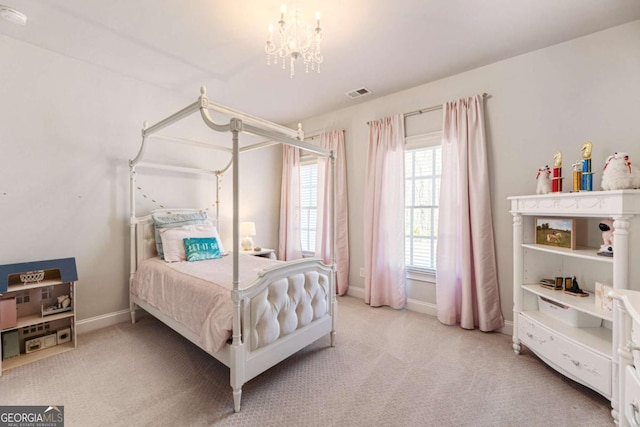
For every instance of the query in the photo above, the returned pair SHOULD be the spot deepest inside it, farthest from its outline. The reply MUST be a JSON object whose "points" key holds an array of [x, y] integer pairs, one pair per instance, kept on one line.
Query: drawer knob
{"points": [[568, 356], [534, 338]]}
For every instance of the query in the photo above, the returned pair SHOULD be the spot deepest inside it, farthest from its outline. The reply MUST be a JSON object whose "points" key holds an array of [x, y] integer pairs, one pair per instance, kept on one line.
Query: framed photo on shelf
{"points": [[558, 232]]}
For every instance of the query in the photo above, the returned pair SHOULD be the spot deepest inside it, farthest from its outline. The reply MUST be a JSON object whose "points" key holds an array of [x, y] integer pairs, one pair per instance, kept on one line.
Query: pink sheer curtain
{"points": [[289, 246], [333, 140], [466, 278], [384, 277]]}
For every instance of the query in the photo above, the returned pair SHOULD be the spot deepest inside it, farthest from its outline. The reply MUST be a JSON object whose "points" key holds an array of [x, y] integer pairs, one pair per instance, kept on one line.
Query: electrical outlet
{"points": [[361, 271]]}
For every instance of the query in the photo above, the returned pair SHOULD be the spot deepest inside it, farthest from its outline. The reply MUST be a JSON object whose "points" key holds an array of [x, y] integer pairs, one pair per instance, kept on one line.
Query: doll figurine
{"points": [[544, 180], [606, 226]]}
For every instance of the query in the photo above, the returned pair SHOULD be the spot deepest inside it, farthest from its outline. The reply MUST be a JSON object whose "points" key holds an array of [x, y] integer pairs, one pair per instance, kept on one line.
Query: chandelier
{"points": [[298, 40]]}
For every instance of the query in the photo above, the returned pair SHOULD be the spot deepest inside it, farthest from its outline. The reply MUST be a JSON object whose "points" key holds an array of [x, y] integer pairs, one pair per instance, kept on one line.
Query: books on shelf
{"points": [[550, 284], [562, 284]]}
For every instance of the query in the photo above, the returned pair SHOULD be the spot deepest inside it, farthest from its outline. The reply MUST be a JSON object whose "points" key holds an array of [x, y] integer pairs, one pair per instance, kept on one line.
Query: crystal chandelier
{"points": [[297, 40]]}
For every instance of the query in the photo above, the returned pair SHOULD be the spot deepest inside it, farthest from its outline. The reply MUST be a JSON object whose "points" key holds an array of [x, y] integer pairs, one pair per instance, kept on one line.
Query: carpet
{"points": [[389, 368]]}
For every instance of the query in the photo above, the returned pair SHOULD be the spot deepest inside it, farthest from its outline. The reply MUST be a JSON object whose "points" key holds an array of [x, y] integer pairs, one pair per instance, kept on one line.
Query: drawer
{"points": [[631, 399], [635, 338], [537, 337], [566, 356]]}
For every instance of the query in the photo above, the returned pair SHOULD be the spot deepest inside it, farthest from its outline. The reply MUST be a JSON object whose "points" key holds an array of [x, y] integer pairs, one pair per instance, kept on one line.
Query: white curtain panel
{"points": [[289, 246], [334, 140], [384, 279], [466, 278]]}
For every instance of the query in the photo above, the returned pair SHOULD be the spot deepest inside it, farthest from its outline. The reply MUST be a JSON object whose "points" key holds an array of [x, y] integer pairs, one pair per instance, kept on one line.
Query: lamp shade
{"points": [[247, 228]]}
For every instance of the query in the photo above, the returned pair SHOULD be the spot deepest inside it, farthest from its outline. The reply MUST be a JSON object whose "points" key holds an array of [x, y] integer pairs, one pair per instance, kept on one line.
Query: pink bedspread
{"points": [[197, 294]]}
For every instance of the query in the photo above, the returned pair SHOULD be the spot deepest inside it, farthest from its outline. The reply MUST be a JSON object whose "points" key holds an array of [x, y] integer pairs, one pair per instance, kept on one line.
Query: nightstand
{"points": [[264, 252]]}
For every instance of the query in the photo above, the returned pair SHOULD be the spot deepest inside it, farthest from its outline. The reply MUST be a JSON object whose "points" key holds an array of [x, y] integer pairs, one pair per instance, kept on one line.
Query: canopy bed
{"points": [[249, 313]]}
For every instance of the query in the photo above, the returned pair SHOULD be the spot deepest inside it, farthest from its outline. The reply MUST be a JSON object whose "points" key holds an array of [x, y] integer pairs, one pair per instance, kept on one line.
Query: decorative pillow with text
{"points": [[173, 239], [201, 248]]}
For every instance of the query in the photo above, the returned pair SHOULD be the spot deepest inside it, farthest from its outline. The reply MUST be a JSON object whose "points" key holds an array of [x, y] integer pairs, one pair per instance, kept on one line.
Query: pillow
{"points": [[173, 239], [201, 248], [163, 220]]}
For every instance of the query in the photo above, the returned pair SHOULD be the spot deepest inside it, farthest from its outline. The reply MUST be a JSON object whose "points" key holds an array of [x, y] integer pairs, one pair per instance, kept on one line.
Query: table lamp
{"points": [[247, 230]]}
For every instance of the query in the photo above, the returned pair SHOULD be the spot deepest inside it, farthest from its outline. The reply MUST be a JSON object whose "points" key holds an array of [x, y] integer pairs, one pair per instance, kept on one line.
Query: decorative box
{"points": [[603, 301]]}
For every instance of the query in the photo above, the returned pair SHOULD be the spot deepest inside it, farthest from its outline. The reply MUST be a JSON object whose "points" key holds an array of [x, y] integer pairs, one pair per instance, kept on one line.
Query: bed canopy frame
{"points": [[239, 123]]}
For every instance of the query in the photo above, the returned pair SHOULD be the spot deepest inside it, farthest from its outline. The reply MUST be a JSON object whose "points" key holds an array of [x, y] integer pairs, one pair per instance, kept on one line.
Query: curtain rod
{"points": [[428, 109], [316, 134]]}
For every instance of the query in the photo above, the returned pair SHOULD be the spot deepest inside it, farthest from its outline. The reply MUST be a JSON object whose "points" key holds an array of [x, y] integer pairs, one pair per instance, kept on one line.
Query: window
{"points": [[308, 204], [46, 292], [423, 168], [23, 297]]}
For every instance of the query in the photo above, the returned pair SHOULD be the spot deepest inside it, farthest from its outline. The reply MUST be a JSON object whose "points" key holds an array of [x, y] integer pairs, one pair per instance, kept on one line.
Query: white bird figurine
{"points": [[618, 173]]}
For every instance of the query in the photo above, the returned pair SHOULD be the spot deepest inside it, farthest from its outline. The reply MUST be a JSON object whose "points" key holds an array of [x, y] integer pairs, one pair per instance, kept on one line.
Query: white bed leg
{"points": [[334, 313], [132, 309], [237, 394]]}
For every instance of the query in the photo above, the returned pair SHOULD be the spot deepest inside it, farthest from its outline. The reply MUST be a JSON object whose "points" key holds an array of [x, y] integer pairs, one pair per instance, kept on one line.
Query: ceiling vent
{"points": [[357, 93]]}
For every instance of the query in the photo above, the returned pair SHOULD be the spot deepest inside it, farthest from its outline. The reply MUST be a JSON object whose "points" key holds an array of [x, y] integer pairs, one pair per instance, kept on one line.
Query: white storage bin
{"points": [[568, 315]]}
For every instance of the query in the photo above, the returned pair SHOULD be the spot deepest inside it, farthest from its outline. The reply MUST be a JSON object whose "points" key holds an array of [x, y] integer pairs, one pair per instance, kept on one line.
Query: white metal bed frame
{"points": [[244, 363]]}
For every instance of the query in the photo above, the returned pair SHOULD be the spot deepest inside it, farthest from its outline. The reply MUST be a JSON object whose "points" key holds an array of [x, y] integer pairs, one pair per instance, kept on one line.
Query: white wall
{"points": [[553, 99], [67, 131]]}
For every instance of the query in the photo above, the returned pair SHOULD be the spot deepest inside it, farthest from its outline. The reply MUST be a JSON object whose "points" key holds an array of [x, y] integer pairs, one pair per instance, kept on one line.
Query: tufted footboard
{"points": [[286, 305], [289, 307]]}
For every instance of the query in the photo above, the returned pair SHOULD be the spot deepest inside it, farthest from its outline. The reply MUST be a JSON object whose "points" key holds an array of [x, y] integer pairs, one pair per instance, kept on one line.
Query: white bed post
{"points": [[133, 254], [334, 307], [218, 176], [237, 367], [132, 237], [236, 127]]}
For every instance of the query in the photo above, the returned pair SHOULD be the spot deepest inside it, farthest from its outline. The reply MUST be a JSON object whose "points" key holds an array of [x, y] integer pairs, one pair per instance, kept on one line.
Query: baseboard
{"points": [[102, 321], [110, 319], [422, 307], [507, 329], [412, 304], [426, 308], [352, 291]]}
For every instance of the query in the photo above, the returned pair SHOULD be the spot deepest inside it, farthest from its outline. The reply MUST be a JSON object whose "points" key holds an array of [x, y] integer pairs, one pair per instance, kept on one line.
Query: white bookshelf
{"points": [[587, 355]]}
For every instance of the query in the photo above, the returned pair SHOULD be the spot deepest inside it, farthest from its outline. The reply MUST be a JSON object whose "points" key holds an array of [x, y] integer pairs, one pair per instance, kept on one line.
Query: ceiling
{"points": [[385, 46]]}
